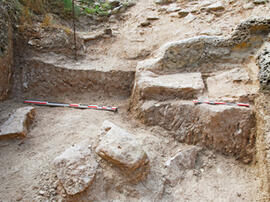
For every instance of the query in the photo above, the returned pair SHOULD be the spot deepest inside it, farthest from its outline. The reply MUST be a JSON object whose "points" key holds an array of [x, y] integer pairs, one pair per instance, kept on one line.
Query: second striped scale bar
{"points": [[221, 103]]}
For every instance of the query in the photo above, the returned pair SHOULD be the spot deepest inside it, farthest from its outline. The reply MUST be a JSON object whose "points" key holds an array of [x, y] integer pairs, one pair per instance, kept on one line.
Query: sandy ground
{"points": [[27, 169], [26, 165]]}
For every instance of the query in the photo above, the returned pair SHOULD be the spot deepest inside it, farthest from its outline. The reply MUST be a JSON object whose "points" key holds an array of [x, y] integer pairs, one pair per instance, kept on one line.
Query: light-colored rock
{"points": [[162, 87], [189, 18], [211, 32], [76, 168], [174, 15], [90, 36], [114, 3], [249, 5], [122, 150], [218, 6], [233, 85], [183, 160], [173, 8], [227, 129], [18, 123]]}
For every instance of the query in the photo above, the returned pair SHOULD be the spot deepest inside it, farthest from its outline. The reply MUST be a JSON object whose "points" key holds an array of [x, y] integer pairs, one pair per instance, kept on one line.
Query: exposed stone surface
{"points": [[233, 85], [76, 168], [18, 123], [223, 128], [183, 160], [183, 13], [260, 1], [218, 6], [263, 61], [164, 1], [162, 87], [122, 150], [43, 76], [189, 54], [172, 8]]}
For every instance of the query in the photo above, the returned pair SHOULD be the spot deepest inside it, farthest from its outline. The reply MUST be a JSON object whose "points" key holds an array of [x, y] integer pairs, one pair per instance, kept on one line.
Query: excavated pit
{"points": [[184, 152]]}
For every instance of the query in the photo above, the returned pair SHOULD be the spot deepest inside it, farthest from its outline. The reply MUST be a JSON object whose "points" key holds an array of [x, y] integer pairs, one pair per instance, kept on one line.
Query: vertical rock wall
{"points": [[6, 53]]}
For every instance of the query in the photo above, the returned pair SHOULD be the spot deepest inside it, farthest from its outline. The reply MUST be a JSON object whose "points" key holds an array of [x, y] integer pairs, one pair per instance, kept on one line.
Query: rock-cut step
{"points": [[54, 75], [163, 87], [226, 129]]}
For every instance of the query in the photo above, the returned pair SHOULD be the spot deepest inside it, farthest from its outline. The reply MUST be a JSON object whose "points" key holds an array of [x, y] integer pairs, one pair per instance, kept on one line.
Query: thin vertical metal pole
{"points": [[74, 30]]}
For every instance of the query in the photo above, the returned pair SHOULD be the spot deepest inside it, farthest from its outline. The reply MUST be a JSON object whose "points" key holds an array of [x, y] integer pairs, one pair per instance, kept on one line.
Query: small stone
{"points": [[249, 5], [130, 3], [183, 13], [172, 8], [260, 1], [211, 32], [41, 192], [19, 198], [145, 24], [174, 15], [108, 31], [163, 1], [219, 6], [114, 3], [152, 18], [190, 17]]}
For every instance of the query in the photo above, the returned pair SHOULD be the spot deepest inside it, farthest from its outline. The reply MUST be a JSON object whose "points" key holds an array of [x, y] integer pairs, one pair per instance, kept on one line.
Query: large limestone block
{"points": [[227, 129], [122, 150], [18, 123], [233, 85], [76, 168], [162, 87]]}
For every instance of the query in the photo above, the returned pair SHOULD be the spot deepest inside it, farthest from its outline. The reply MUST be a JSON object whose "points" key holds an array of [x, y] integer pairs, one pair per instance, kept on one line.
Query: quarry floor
{"points": [[27, 172]]}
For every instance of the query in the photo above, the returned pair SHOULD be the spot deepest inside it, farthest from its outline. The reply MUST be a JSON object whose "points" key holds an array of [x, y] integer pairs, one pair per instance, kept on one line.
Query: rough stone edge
{"points": [[241, 34], [26, 125], [140, 170], [262, 144]]}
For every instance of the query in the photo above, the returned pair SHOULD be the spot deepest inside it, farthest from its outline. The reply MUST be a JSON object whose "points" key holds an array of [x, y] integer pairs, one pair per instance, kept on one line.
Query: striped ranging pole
{"points": [[196, 102], [79, 106]]}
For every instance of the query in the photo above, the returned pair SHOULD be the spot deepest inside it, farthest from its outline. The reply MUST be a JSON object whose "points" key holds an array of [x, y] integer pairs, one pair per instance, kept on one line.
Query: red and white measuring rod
{"points": [[80, 106], [220, 103]]}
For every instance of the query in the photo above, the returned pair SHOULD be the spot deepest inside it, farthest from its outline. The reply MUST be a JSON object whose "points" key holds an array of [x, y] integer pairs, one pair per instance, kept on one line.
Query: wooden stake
{"points": [[74, 30]]}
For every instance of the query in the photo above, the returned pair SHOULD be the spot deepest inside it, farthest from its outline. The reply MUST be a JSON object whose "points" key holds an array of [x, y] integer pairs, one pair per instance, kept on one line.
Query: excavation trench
{"points": [[180, 151]]}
